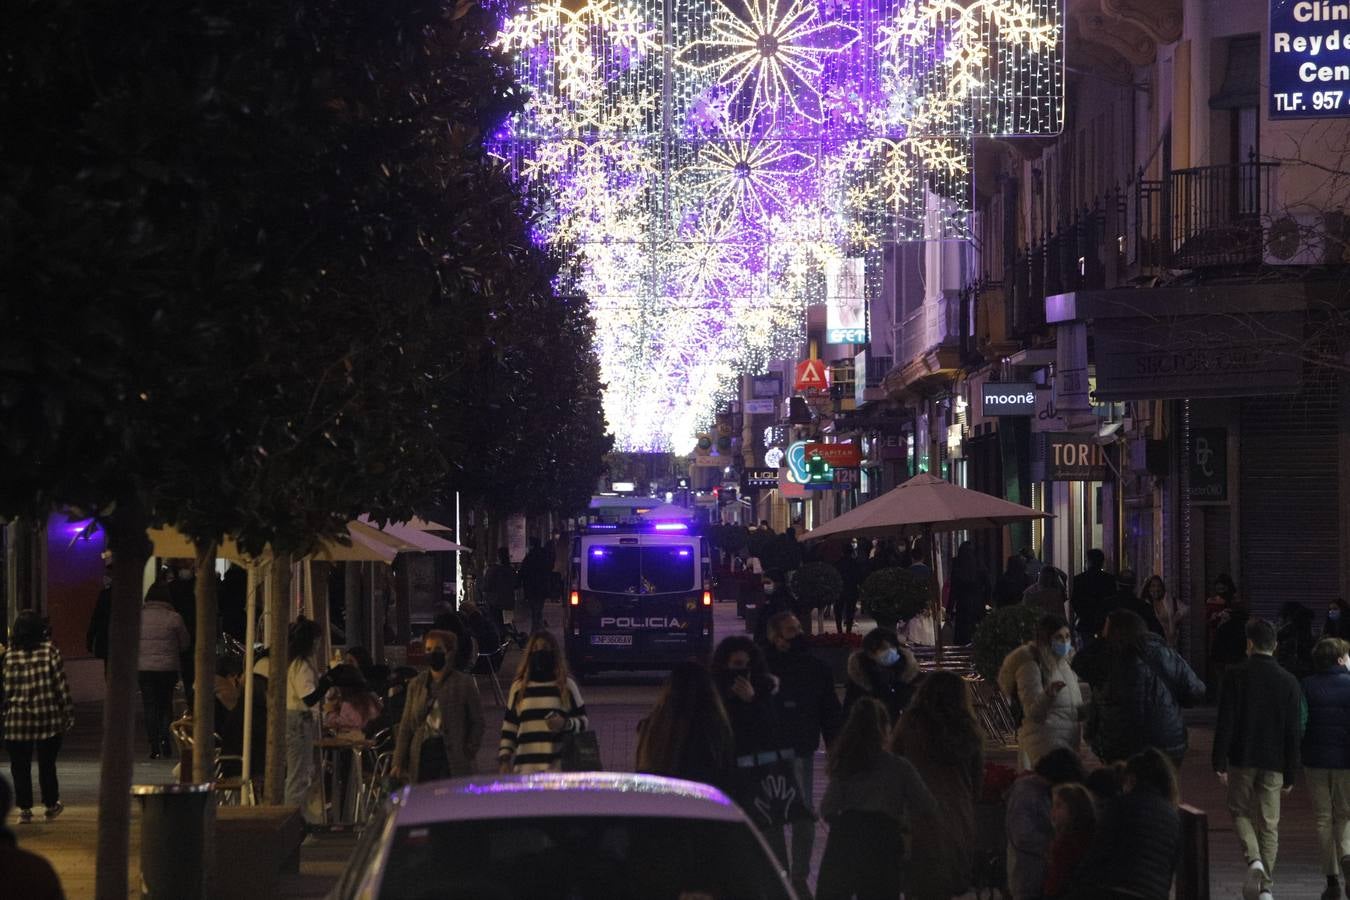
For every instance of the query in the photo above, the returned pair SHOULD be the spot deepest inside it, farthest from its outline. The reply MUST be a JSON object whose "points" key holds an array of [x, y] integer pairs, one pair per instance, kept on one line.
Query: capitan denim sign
{"points": [[1309, 59], [1007, 398]]}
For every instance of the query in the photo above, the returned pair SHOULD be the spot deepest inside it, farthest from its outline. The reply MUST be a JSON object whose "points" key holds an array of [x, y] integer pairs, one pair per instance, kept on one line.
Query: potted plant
{"points": [[892, 596], [1000, 633]]}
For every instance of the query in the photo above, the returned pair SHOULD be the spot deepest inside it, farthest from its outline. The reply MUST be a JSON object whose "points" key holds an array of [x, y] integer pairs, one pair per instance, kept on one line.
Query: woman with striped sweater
{"points": [[543, 705]]}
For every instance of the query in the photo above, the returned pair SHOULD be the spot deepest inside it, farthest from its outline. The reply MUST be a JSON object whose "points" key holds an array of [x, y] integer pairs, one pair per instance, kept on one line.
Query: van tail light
{"points": [[575, 598], [707, 598]]}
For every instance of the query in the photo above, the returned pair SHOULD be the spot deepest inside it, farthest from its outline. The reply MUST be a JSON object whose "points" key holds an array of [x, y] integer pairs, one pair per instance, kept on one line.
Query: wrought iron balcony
{"points": [[1204, 217]]}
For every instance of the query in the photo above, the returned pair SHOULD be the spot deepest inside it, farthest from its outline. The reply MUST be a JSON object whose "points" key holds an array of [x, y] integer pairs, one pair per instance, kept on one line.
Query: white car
{"points": [[569, 836]]}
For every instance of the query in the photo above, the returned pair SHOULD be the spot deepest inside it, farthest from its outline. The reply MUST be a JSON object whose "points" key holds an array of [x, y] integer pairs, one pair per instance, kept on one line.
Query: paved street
{"points": [[616, 705]]}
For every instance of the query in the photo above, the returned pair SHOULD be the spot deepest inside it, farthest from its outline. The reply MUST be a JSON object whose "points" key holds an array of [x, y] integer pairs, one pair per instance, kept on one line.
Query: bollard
{"points": [[173, 839], [1193, 872]]}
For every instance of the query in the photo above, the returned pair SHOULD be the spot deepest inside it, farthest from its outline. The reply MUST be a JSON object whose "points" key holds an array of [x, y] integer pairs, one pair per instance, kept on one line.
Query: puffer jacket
{"points": [[163, 638], [893, 687], [1047, 722], [1326, 743], [1137, 700]]}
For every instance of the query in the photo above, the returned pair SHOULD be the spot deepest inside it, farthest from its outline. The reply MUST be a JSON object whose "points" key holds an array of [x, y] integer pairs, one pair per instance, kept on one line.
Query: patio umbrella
{"points": [[929, 504], [926, 503]]}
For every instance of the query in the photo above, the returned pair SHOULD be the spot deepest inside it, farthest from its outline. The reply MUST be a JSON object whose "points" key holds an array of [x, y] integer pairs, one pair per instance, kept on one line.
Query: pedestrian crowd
{"points": [[908, 792]]}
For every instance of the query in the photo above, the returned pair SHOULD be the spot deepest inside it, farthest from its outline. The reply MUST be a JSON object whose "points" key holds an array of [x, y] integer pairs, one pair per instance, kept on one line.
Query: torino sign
{"points": [[1309, 59]]}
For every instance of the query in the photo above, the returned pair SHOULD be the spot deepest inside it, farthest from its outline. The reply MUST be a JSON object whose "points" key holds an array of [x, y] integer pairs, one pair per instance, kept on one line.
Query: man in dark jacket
{"points": [[1326, 756], [536, 573], [808, 708], [1092, 590], [1256, 751]]}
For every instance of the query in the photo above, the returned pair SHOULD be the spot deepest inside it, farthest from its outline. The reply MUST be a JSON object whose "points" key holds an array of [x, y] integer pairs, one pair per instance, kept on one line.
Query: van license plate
{"points": [[612, 640]]}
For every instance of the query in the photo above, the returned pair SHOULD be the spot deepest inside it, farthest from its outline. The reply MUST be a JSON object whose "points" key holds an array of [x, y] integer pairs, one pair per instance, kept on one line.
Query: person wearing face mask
{"points": [[542, 704], [807, 709], [1039, 676], [1326, 757], [884, 669], [746, 689], [776, 600], [441, 728], [1337, 623]]}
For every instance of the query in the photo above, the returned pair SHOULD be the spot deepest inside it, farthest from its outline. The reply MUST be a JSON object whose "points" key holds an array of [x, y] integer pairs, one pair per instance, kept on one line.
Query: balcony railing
{"points": [[1192, 218], [1204, 217]]}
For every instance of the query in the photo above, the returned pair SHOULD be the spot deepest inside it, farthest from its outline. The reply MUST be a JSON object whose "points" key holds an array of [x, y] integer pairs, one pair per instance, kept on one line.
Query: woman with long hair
{"points": [[1038, 675], [940, 736], [1139, 686], [38, 711], [542, 704], [354, 707], [441, 728], [747, 689], [687, 734], [304, 689], [1171, 615], [868, 804]]}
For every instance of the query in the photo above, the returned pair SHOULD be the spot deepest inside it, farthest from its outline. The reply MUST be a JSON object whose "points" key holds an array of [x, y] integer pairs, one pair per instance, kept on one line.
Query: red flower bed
{"points": [[834, 639]]}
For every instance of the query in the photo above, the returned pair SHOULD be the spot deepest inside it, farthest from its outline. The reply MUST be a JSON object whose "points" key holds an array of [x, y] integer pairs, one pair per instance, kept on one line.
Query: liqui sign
{"points": [[1309, 59]]}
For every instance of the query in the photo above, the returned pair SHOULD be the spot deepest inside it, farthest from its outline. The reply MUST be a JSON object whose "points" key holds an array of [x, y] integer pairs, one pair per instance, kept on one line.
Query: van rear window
{"points": [[662, 569]]}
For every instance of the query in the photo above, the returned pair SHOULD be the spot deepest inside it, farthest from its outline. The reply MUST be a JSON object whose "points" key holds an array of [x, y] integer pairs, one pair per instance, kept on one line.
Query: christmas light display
{"points": [[709, 158]]}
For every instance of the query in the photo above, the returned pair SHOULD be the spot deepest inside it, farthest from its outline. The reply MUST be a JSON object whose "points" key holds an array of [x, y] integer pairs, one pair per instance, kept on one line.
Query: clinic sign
{"points": [[1309, 58]]}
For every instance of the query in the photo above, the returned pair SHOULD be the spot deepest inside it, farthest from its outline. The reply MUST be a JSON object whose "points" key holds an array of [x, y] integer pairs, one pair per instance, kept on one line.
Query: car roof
{"points": [[562, 794]]}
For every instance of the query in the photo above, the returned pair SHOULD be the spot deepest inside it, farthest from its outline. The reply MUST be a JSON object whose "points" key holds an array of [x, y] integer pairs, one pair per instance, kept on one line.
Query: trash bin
{"points": [[173, 832]]}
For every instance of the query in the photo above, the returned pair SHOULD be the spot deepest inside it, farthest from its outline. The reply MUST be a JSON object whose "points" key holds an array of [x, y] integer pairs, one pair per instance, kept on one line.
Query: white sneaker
{"points": [[1251, 884], [1265, 895]]}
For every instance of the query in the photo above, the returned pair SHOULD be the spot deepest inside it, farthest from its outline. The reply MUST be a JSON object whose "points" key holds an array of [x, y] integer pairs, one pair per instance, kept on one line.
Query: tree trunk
{"points": [[355, 618], [126, 530], [204, 706], [279, 616]]}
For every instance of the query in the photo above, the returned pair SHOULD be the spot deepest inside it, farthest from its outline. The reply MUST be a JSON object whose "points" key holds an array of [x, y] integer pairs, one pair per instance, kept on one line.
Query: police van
{"points": [[638, 597]]}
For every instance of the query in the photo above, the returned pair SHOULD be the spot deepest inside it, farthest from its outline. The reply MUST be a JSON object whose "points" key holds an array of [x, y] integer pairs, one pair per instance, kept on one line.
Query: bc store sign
{"points": [[1309, 59]]}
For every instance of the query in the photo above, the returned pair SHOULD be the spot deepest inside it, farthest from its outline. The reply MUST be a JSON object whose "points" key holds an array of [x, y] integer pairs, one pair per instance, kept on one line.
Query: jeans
{"points": [[1330, 790], [1254, 801], [804, 831], [157, 696], [21, 769], [302, 733]]}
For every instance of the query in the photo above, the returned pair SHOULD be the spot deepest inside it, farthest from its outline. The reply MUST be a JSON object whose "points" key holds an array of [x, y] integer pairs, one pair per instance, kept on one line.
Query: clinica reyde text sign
{"points": [[1309, 58], [1007, 398]]}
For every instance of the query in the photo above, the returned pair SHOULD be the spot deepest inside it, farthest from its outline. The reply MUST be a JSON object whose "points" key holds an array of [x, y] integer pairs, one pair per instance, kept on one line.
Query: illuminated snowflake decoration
{"points": [[771, 54], [709, 158], [749, 179]]}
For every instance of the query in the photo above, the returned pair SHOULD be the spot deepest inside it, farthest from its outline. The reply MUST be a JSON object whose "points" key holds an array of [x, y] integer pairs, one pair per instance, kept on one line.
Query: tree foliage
{"points": [[258, 276], [893, 595]]}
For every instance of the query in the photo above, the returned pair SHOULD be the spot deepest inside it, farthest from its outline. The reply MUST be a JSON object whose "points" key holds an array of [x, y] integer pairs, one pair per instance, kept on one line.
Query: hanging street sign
{"points": [[811, 375]]}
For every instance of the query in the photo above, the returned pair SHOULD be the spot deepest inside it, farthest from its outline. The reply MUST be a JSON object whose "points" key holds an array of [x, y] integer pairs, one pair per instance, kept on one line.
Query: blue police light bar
{"points": [[671, 526]]}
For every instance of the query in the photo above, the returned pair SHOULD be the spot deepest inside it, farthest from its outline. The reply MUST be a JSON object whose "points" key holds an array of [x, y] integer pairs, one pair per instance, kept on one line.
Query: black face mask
{"points": [[543, 665], [437, 660], [799, 644]]}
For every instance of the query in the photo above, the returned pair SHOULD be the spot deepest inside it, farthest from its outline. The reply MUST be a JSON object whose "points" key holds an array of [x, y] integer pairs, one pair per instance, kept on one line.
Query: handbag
{"points": [[580, 749], [581, 752], [772, 793]]}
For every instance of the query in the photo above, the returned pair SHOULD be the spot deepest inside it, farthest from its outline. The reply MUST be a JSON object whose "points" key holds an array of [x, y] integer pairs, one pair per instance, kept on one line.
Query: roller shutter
{"points": [[1289, 500]]}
